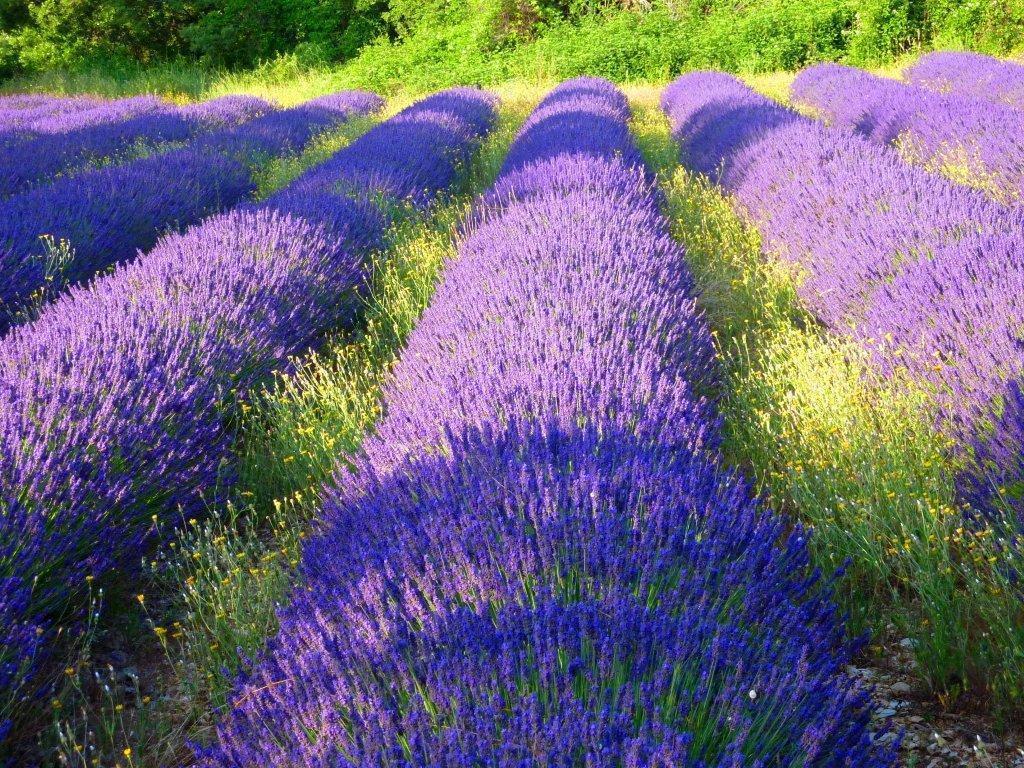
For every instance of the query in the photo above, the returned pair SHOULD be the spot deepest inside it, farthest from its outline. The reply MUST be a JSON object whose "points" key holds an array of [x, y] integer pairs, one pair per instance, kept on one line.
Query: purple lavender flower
{"points": [[19, 111], [392, 170], [233, 109], [289, 130], [69, 140], [926, 272], [116, 403], [954, 319], [994, 482], [66, 232], [970, 74], [537, 558], [31, 117], [66, 117], [983, 139], [22, 645], [17, 103]]}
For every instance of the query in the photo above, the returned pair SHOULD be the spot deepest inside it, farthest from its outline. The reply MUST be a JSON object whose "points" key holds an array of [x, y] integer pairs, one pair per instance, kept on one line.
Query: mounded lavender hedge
{"points": [[31, 116], [116, 402], [109, 214], [69, 141], [929, 274], [538, 559], [984, 139], [18, 112], [288, 130], [970, 74]]}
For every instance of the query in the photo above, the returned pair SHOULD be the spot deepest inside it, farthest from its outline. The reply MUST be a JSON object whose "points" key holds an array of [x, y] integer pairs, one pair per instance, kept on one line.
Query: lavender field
{"points": [[556, 424]]}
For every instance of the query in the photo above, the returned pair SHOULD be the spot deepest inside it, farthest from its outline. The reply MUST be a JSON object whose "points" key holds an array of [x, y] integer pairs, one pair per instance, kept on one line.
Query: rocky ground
{"points": [[931, 737]]}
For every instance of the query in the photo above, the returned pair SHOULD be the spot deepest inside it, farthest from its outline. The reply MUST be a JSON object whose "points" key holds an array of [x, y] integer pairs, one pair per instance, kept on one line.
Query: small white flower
{"points": [[752, 694]]}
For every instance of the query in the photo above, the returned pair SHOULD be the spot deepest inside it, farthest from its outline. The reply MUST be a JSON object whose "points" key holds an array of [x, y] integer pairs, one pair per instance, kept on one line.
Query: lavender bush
{"points": [[68, 231], [537, 558], [971, 137], [18, 112], [994, 483], [56, 116], [926, 272], [70, 141], [116, 403], [970, 74], [288, 130]]}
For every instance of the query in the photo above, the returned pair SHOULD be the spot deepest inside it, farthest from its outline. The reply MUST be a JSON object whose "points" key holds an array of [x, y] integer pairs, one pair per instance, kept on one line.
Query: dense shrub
{"points": [[241, 32], [441, 42], [68, 32], [992, 27]]}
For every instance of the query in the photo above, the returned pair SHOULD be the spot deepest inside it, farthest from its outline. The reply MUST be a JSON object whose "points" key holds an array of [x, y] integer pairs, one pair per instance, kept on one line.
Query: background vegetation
{"points": [[188, 46]]}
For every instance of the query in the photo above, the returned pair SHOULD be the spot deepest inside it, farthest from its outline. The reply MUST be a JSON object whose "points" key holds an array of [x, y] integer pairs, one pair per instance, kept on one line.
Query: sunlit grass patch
{"points": [[774, 85], [281, 171]]}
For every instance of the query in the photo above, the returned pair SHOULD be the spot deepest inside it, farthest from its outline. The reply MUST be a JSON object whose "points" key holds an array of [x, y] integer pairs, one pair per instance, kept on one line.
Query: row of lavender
{"points": [[927, 273], [970, 74], [981, 140], [975, 122], [29, 113], [70, 141], [538, 558], [104, 217], [24, 117], [116, 403]]}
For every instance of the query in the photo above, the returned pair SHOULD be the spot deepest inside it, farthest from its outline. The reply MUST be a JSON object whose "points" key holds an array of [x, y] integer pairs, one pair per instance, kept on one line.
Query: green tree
{"points": [[63, 33]]}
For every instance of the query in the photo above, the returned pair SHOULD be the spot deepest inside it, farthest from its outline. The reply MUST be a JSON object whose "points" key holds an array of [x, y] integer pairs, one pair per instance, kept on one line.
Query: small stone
{"points": [[907, 642], [900, 688], [916, 719], [885, 712]]}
